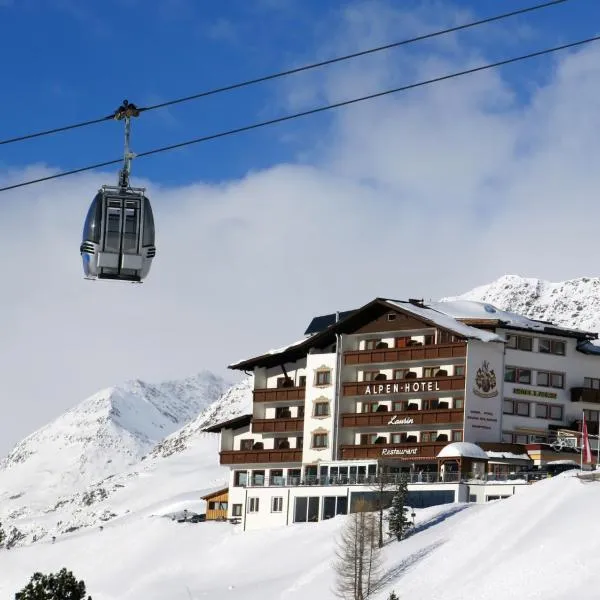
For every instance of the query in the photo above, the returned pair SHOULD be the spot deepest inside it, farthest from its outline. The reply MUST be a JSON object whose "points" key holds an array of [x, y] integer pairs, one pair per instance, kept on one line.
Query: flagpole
{"points": [[582, 442]]}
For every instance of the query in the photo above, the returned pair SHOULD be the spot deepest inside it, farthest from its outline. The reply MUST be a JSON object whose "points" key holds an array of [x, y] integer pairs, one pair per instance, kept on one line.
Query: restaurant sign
{"points": [[536, 393], [398, 388], [399, 451]]}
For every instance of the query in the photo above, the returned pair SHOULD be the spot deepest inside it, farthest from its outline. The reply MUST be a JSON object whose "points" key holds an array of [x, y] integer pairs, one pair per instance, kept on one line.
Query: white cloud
{"points": [[425, 194]]}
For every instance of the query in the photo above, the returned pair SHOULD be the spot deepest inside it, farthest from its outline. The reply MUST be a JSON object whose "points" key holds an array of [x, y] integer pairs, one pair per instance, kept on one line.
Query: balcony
{"points": [[585, 394], [287, 394], [411, 353], [414, 451], [279, 425], [425, 385], [244, 457], [413, 417]]}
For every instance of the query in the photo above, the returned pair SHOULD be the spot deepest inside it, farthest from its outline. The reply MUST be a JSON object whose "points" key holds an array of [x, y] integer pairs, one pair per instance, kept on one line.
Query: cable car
{"points": [[118, 233]]}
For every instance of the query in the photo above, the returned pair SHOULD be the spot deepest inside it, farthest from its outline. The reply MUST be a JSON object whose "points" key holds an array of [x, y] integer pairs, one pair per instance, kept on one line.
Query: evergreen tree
{"points": [[393, 596], [2, 536], [60, 586], [397, 519]]}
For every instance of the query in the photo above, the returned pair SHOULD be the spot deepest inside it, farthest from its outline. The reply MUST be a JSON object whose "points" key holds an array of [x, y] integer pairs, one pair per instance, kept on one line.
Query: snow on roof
{"points": [[508, 455], [275, 350], [471, 309], [464, 450], [432, 313]]}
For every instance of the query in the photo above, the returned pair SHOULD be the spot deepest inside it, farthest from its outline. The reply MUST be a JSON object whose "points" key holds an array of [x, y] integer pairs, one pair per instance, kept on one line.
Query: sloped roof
{"points": [[326, 337], [234, 423], [322, 322], [452, 315]]}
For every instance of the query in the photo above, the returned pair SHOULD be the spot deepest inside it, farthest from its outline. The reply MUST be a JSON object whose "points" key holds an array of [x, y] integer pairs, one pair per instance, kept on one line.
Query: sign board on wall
{"points": [[399, 451], [398, 388], [403, 421], [483, 392], [535, 393]]}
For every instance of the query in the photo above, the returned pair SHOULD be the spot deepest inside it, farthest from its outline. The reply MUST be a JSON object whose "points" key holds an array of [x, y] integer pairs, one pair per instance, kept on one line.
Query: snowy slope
{"points": [[537, 544], [102, 436], [574, 303]]}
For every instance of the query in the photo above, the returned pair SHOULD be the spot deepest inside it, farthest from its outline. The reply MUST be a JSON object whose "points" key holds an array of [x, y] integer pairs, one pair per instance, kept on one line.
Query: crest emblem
{"points": [[485, 381]]}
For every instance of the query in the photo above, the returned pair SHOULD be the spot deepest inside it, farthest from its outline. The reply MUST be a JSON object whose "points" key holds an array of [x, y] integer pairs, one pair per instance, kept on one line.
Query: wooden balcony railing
{"points": [[407, 451], [243, 457], [279, 394], [388, 387], [278, 425], [383, 355], [584, 394], [390, 420]]}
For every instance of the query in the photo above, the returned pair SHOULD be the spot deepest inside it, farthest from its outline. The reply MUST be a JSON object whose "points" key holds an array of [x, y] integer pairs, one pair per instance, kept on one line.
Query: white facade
{"points": [[332, 413]]}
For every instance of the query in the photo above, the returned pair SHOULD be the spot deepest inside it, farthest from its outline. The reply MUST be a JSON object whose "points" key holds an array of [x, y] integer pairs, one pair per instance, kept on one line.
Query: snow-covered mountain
{"points": [[100, 437], [112, 455], [236, 401], [573, 303]]}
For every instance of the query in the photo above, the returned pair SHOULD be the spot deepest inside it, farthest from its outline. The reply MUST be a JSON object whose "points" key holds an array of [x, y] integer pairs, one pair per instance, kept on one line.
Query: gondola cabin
{"points": [[118, 235]]}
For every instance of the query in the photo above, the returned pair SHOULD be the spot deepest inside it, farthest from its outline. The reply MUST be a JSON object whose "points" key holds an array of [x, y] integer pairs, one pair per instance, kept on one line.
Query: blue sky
{"points": [[71, 60]]}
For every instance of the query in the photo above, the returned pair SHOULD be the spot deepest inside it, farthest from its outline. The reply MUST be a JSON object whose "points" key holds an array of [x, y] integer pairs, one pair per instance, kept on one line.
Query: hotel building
{"points": [[459, 396]]}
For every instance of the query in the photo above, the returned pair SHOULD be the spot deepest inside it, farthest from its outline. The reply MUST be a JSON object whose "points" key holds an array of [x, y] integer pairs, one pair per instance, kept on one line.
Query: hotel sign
{"points": [[399, 451], [397, 388], [404, 421], [536, 393]]}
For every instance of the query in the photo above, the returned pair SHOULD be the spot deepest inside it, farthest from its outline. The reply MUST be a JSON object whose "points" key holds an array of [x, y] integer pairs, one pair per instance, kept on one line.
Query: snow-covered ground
{"points": [[538, 544]]}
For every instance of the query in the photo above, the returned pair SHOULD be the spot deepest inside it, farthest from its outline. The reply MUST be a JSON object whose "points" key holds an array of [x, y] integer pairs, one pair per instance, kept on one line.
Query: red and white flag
{"points": [[585, 446]]}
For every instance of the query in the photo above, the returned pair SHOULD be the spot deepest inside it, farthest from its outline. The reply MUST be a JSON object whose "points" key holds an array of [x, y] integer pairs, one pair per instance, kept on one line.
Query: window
{"points": [[457, 436], [302, 381], [459, 402], [430, 371], [246, 444], [371, 344], [519, 342], [541, 411], [240, 478], [547, 379], [459, 370], [277, 504], [299, 442], [556, 413], [212, 505], [370, 375], [321, 409], [591, 415], [236, 510], [428, 436], [253, 505], [514, 407], [283, 412], [323, 378], [399, 373], [548, 346], [517, 375], [590, 382], [391, 316], [285, 382], [319, 440], [429, 340], [301, 412]]}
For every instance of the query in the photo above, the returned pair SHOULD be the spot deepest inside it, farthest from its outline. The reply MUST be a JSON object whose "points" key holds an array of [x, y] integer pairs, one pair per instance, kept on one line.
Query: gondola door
{"points": [[120, 257]]}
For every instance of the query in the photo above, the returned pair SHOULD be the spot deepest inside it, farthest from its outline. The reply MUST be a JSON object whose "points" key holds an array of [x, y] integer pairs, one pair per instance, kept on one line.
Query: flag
{"points": [[585, 446]]}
